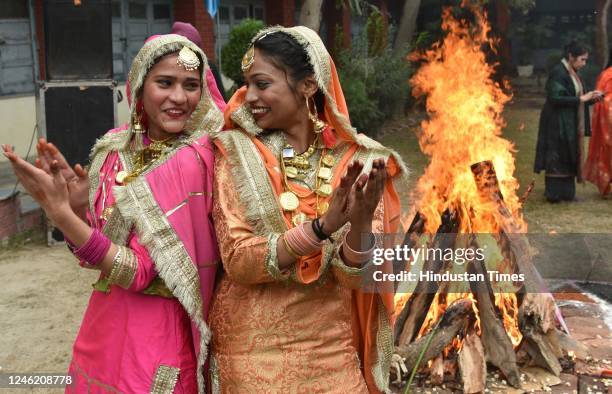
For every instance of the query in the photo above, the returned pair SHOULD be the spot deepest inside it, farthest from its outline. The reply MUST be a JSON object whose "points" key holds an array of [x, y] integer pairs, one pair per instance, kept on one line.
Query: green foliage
{"points": [[239, 39], [377, 35], [375, 86]]}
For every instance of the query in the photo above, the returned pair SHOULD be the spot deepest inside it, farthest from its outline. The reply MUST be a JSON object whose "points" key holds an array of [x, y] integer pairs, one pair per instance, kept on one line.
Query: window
{"points": [[240, 13], [11, 9], [224, 14], [137, 10], [161, 11], [258, 13]]}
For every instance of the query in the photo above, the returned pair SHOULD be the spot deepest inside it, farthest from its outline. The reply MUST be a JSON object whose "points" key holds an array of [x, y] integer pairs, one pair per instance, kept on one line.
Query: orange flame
{"points": [[464, 107]]}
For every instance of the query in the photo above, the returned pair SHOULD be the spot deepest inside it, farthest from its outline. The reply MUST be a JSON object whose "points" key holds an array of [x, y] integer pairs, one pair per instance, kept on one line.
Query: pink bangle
{"points": [[354, 256], [300, 242], [94, 250]]}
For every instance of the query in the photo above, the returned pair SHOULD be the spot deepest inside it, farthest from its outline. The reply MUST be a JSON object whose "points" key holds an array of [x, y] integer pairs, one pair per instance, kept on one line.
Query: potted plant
{"points": [[525, 63]]}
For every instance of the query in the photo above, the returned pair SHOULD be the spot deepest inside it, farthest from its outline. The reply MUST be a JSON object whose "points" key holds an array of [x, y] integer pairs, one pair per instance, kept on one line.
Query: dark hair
{"points": [[575, 49], [288, 55]]}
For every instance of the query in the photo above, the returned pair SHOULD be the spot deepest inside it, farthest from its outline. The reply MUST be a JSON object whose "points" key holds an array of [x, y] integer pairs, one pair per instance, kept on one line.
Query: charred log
{"points": [[413, 314], [488, 187], [497, 344], [453, 320]]}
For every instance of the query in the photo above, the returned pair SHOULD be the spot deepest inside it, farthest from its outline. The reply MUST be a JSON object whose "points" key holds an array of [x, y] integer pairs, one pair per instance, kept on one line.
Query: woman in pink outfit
{"points": [[142, 217]]}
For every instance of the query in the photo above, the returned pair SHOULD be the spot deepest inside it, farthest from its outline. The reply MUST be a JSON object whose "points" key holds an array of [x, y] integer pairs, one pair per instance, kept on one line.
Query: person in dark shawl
{"points": [[564, 122]]}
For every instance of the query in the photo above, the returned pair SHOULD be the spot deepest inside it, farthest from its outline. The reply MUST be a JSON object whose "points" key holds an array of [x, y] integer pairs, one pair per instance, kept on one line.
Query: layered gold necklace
{"points": [[144, 158], [296, 166]]}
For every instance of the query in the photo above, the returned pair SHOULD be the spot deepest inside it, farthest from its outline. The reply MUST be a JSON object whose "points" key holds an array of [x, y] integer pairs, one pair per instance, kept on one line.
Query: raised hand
{"points": [[76, 178], [337, 214], [49, 190], [365, 196], [47, 153]]}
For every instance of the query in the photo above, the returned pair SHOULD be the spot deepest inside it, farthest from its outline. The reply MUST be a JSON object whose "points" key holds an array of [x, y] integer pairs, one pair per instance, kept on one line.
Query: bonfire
{"points": [[468, 199]]}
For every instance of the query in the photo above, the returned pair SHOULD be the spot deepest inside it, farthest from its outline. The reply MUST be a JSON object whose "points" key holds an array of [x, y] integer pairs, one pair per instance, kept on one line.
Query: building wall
{"points": [[19, 112], [19, 118], [194, 12]]}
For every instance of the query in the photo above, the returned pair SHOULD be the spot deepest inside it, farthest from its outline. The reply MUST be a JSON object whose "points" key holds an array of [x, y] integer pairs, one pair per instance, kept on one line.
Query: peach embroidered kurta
{"points": [[286, 337]]}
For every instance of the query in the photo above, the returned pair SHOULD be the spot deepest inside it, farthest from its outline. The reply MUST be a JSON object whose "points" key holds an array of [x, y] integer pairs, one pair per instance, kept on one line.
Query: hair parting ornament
{"points": [[249, 56], [188, 59]]}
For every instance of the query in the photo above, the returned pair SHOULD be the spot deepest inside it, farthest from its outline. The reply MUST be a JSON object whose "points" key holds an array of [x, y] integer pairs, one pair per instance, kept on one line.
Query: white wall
{"points": [[18, 118], [17, 121]]}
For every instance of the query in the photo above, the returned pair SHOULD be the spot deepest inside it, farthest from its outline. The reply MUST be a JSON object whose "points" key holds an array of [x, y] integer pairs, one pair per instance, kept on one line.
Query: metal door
{"points": [[133, 22]]}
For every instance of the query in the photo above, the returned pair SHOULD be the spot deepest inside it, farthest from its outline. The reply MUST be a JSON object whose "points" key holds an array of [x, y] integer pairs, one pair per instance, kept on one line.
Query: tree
{"points": [[407, 25], [310, 14], [601, 38]]}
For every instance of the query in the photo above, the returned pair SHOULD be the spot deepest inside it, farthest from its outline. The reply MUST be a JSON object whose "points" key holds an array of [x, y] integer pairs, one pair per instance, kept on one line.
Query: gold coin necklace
{"points": [[291, 164]]}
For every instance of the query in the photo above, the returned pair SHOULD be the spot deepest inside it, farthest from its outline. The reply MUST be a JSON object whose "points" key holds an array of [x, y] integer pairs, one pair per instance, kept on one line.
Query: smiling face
{"points": [[170, 94], [274, 104], [579, 61]]}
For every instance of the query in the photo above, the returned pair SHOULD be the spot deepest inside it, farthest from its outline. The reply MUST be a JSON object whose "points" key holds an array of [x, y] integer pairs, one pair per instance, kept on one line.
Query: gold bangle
{"points": [[289, 249]]}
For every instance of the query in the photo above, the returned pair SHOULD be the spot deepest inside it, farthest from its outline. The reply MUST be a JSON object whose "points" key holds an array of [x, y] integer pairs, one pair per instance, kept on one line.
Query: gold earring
{"points": [[317, 124], [136, 124]]}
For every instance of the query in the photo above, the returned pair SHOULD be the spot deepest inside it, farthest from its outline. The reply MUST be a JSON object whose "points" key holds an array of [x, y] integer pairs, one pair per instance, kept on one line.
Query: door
{"points": [[133, 22]]}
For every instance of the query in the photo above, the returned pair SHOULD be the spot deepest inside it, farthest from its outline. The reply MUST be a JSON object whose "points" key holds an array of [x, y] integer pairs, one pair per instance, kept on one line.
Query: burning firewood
{"points": [[465, 108], [488, 187], [412, 316], [436, 371], [498, 347], [453, 320]]}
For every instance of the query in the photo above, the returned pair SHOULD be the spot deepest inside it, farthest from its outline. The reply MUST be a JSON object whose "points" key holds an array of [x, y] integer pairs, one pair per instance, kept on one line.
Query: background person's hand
{"points": [[592, 95]]}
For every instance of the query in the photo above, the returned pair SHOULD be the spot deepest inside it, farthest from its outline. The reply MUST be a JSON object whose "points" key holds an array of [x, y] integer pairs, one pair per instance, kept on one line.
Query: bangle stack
{"points": [[94, 250], [355, 257], [298, 243], [317, 228]]}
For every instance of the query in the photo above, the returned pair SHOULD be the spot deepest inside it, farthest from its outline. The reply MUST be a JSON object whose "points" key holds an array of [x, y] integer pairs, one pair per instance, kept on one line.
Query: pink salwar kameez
{"points": [[144, 330]]}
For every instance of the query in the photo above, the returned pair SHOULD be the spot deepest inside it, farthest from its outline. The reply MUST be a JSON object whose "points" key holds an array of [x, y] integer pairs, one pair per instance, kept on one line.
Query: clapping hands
{"points": [[356, 198]]}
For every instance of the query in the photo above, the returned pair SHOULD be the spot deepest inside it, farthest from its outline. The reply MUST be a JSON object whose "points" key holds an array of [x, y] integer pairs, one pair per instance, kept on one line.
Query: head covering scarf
{"points": [[372, 341], [204, 117]]}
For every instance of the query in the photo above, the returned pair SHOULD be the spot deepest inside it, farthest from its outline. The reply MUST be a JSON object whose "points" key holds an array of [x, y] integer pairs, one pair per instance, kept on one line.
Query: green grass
{"points": [[590, 214]]}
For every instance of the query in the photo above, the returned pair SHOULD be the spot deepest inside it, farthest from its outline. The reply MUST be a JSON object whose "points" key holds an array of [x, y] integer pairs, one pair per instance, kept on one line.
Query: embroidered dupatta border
{"points": [[173, 263], [252, 182], [384, 334]]}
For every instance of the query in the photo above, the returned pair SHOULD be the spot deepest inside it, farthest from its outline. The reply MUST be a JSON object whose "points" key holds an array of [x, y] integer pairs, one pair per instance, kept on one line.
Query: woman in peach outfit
{"points": [[296, 191]]}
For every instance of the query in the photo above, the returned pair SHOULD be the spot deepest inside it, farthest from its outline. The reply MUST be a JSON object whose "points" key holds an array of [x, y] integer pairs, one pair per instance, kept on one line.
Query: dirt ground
{"points": [[43, 296]]}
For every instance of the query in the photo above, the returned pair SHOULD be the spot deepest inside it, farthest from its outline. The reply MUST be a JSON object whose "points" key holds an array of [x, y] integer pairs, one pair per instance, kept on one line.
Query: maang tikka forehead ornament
{"points": [[188, 59], [248, 59]]}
